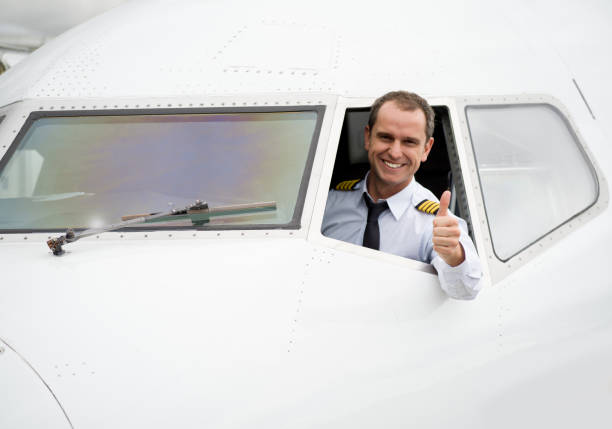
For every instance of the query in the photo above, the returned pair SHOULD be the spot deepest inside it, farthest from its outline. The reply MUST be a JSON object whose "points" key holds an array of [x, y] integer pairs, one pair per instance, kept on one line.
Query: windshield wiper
{"points": [[199, 214]]}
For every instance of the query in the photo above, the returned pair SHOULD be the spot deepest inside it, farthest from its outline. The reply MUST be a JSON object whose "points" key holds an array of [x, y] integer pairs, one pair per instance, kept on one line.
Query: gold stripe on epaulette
{"points": [[347, 185], [427, 206], [420, 205]]}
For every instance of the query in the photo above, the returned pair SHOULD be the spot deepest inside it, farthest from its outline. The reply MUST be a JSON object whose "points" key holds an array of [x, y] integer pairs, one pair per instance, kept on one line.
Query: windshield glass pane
{"points": [[533, 173], [88, 171]]}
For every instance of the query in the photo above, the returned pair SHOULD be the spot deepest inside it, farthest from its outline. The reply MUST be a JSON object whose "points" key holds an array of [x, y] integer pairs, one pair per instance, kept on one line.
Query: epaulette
{"points": [[347, 185], [428, 206]]}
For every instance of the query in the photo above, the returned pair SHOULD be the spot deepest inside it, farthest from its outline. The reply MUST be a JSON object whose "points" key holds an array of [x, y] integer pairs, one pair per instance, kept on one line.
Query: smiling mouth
{"points": [[391, 165]]}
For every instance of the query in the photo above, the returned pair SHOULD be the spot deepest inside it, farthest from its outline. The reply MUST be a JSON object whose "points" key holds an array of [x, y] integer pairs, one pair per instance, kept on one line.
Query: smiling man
{"points": [[389, 210]]}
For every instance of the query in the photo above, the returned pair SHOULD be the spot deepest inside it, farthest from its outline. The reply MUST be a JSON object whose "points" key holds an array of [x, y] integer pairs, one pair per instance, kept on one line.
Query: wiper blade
{"points": [[199, 214]]}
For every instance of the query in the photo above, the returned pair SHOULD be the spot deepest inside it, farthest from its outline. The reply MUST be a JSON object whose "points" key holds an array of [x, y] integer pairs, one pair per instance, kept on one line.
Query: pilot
{"points": [[389, 210]]}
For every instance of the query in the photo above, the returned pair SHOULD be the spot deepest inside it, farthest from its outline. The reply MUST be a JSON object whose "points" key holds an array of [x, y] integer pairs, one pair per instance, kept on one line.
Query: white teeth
{"points": [[389, 164]]}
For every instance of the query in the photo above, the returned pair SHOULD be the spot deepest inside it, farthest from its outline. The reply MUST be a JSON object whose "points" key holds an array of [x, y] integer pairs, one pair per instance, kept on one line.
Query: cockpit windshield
{"points": [[85, 170]]}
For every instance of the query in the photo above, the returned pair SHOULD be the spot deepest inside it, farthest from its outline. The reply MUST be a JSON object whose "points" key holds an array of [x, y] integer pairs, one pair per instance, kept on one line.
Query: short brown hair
{"points": [[405, 101]]}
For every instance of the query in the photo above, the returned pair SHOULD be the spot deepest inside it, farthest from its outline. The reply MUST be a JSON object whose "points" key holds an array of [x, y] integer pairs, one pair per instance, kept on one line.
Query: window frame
{"points": [[498, 268], [28, 112], [460, 158]]}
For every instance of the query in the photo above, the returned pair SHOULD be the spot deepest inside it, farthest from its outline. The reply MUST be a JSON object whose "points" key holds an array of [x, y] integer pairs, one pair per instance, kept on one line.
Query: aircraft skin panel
{"points": [[228, 50], [325, 339], [205, 329], [26, 400]]}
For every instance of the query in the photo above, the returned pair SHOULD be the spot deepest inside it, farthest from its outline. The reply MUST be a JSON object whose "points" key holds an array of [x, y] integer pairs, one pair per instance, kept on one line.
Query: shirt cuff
{"points": [[462, 281]]}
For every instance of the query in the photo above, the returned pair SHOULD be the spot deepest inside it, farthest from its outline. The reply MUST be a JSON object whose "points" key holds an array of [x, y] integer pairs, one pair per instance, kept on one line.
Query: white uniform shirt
{"points": [[404, 231]]}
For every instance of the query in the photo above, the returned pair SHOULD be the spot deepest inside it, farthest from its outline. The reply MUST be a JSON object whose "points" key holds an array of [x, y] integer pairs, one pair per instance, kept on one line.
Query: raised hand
{"points": [[446, 234]]}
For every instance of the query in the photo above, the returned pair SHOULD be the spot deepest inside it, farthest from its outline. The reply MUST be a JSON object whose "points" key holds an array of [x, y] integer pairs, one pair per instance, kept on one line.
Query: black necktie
{"points": [[371, 236]]}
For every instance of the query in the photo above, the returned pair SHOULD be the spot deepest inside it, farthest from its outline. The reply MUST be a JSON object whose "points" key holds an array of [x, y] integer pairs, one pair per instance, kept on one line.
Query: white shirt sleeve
{"points": [[462, 281]]}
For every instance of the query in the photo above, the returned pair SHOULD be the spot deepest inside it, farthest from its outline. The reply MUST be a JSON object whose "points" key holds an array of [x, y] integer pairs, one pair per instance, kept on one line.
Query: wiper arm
{"points": [[199, 214]]}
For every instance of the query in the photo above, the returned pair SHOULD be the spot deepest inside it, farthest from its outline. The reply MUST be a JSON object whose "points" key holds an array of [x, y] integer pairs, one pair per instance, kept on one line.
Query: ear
{"points": [[366, 137], [428, 147]]}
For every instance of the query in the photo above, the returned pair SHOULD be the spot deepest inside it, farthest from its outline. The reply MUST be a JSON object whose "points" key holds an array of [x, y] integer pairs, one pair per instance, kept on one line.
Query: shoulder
{"points": [[424, 200], [348, 185], [345, 192]]}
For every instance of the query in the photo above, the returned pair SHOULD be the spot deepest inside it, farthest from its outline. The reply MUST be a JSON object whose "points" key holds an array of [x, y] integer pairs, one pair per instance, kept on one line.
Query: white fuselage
{"points": [[249, 328]]}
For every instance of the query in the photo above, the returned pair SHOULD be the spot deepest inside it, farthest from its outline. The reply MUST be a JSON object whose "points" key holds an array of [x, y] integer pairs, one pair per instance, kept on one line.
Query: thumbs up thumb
{"points": [[444, 202]]}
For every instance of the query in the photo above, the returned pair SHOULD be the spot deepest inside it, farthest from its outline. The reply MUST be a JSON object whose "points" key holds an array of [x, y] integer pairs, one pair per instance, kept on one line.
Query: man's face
{"points": [[396, 146]]}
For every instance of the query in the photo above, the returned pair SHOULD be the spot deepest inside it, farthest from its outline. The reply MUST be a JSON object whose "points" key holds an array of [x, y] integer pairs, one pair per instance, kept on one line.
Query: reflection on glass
{"points": [[88, 171], [534, 176]]}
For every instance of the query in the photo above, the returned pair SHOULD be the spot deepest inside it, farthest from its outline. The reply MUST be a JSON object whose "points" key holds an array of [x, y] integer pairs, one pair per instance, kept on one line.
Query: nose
{"points": [[395, 150]]}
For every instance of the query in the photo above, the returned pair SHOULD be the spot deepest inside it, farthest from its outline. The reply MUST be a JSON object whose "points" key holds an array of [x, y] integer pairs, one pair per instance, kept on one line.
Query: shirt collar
{"points": [[399, 202]]}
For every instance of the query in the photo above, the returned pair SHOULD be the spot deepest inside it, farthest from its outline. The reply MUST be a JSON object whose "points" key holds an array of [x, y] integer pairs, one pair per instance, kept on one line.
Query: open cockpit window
{"points": [[533, 174], [440, 172], [88, 169]]}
